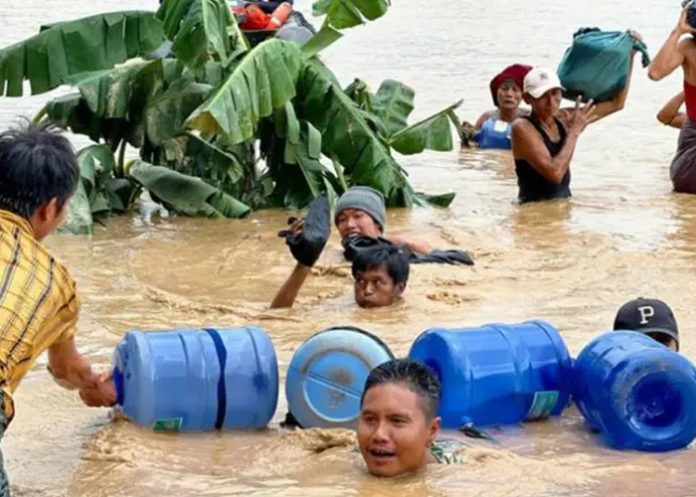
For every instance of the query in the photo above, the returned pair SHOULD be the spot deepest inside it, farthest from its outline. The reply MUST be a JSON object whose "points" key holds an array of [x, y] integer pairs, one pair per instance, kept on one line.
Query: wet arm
{"points": [[415, 246], [669, 115], [527, 145], [669, 58], [603, 109], [287, 294], [71, 369]]}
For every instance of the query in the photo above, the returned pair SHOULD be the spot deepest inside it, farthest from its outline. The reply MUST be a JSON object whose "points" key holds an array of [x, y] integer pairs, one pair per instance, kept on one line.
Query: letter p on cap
{"points": [[646, 312]]}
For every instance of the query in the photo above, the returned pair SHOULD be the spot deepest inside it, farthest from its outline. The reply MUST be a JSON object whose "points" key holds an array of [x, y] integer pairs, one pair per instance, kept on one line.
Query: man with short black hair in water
{"points": [[543, 143], [651, 317], [398, 424], [380, 273]]}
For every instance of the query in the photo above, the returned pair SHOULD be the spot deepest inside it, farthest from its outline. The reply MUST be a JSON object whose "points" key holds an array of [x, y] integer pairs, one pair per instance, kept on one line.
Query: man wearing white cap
{"points": [[543, 143]]}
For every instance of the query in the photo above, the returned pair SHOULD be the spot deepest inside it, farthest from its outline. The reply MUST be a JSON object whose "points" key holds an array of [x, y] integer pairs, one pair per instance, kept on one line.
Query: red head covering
{"points": [[515, 72]]}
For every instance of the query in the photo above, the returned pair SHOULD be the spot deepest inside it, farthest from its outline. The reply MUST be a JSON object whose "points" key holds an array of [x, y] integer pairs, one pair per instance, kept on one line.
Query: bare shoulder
{"points": [[485, 117], [521, 124]]}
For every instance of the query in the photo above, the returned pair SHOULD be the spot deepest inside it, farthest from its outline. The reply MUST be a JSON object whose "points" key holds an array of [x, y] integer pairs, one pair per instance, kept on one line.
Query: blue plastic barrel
{"points": [[637, 392], [192, 380], [327, 374], [498, 373]]}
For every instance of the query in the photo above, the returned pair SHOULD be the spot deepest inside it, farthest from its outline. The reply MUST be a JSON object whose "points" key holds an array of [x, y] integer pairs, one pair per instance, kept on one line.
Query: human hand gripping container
{"points": [[639, 394], [498, 373], [197, 379]]}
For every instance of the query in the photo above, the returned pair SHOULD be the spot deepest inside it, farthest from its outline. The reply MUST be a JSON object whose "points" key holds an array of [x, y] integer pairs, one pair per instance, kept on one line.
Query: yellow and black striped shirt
{"points": [[38, 302]]}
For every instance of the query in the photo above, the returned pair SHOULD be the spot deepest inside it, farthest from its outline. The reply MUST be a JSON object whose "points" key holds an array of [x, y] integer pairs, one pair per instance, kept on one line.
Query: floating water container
{"points": [[498, 373], [192, 380], [639, 394], [327, 374]]}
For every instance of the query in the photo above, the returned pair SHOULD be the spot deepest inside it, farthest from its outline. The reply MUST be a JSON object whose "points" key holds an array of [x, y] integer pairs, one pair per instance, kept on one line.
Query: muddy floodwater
{"points": [[623, 234]]}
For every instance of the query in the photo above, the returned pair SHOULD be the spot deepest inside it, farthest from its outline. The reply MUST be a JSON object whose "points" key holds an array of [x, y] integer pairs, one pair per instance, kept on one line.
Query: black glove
{"points": [[306, 246], [355, 243], [438, 256]]}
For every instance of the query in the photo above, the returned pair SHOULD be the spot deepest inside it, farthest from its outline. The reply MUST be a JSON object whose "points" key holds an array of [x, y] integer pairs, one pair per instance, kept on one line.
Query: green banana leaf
{"points": [[346, 135], [393, 103], [200, 30], [433, 133], [188, 195], [166, 114], [293, 158], [94, 43], [342, 14], [108, 92], [72, 112], [192, 155], [325, 37], [265, 80], [79, 220], [98, 193]]}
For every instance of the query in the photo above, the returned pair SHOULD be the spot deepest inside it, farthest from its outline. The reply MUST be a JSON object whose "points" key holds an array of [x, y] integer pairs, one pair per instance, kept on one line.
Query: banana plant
{"points": [[220, 127]]}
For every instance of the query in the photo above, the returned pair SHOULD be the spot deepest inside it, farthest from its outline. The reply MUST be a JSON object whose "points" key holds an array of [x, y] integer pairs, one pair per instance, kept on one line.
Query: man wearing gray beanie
{"points": [[361, 211]]}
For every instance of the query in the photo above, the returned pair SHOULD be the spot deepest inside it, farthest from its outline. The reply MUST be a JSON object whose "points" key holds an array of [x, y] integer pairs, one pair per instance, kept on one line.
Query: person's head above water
{"points": [[543, 91], [506, 87], [652, 317], [38, 176], [380, 273], [398, 417], [360, 211]]}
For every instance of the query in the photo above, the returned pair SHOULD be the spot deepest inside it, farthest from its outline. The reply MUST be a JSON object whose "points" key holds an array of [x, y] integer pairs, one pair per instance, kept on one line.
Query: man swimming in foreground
{"points": [[398, 424]]}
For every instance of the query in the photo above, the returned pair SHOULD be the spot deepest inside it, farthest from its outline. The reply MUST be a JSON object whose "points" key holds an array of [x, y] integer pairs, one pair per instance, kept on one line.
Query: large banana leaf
{"points": [[348, 13], [130, 101], [394, 103], [166, 114], [200, 30], [433, 133], [186, 194], [48, 59], [192, 155], [72, 112], [108, 92], [265, 80], [346, 135], [293, 156]]}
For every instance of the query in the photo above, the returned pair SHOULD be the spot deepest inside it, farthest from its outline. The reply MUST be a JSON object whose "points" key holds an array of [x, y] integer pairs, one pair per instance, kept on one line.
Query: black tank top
{"points": [[533, 186]]}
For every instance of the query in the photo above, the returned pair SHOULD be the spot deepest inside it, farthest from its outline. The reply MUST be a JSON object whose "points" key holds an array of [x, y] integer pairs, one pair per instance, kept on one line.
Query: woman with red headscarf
{"points": [[493, 128]]}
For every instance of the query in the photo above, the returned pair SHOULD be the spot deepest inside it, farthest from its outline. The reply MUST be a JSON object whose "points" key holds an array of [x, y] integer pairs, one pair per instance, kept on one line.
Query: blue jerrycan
{"points": [[197, 379], [327, 375], [639, 394], [497, 373]]}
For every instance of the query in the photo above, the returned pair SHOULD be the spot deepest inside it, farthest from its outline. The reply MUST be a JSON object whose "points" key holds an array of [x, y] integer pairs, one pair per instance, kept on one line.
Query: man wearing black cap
{"points": [[652, 317]]}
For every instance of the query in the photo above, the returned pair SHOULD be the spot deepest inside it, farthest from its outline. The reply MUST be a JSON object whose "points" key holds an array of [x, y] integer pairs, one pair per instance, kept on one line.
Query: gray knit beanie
{"points": [[366, 199]]}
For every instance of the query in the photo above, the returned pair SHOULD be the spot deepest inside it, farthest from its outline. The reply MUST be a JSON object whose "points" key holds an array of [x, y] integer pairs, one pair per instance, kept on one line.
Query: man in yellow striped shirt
{"points": [[39, 304]]}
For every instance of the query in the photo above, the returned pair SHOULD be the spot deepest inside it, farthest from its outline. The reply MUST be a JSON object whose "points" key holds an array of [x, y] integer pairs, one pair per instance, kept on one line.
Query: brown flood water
{"points": [[624, 234]]}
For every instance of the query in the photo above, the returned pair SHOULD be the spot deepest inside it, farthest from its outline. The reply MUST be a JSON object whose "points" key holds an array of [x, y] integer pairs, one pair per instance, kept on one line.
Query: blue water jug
{"points": [[637, 392], [327, 374], [498, 373], [193, 380], [494, 134]]}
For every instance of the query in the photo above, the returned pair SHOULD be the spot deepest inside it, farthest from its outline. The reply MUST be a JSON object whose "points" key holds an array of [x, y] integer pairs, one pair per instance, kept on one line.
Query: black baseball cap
{"points": [[647, 316]]}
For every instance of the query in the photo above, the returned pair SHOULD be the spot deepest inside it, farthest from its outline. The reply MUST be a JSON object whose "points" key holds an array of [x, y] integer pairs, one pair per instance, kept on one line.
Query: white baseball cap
{"points": [[540, 80]]}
